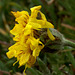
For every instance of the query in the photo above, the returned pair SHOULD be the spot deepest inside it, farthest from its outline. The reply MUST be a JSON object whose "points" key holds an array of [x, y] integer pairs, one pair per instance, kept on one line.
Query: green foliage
{"points": [[2, 66], [59, 57], [43, 67]]}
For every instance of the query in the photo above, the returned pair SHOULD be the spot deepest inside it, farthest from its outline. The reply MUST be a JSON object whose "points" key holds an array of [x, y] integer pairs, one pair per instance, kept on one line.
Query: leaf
{"points": [[39, 73], [43, 67], [33, 72], [70, 56], [2, 66]]}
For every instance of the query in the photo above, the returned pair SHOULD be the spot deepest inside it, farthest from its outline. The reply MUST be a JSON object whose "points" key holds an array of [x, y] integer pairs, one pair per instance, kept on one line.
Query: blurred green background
{"points": [[61, 13]]}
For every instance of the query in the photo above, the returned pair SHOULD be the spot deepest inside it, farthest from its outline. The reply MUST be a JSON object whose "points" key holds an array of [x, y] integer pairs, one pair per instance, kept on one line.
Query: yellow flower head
{"points": [[27, 47]]}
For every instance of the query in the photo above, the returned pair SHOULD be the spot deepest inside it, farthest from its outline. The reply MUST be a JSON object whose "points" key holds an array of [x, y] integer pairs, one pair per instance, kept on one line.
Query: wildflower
{"points": [[27, 46]]}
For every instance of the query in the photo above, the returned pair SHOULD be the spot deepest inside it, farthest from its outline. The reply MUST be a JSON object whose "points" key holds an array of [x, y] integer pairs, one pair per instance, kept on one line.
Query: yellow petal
{"points": [[34, 11], [36, 52], [42, 16], [17, 29], [27, 30], [22, 20], [50, 35], [11, 53], [49, 25], [37, 49], [34, 41], [18, 14], [31, 61], [35, 25], [35, 8], [17, 46], [15, 63], [17, 37], [41, 45], [25, 69], [24, 58]]}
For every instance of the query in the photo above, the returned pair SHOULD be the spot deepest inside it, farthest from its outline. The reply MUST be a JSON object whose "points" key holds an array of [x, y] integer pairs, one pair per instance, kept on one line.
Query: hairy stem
{"points": [[69, 43]]}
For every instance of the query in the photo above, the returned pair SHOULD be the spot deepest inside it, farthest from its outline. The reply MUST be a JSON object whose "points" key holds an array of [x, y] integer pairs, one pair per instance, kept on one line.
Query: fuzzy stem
{"points": [[69, 43]]}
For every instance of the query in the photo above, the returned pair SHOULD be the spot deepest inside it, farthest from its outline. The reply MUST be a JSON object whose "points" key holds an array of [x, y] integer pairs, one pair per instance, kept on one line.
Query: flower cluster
{"points": [[27, 47]]}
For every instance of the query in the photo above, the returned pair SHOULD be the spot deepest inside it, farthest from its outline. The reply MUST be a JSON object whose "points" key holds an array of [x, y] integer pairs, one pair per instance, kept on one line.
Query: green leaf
{"points": [[39, 73], [43, 67], [33, 72], [70, 56], [2, 66]]}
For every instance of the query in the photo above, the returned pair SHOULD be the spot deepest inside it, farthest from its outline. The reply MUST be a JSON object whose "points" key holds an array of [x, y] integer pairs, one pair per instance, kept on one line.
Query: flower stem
{"points": [[69, 43]]}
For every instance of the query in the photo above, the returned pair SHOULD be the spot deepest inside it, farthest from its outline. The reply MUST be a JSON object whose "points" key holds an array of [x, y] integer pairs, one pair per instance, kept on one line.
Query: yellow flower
{"points": [[27, 46]]}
